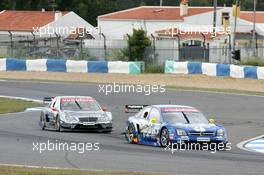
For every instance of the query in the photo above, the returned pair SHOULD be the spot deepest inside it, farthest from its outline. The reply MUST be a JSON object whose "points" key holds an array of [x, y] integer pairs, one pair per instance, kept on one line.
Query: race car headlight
{"points": [[68, 118], [181, 132], [104, 118], [220, 132]]}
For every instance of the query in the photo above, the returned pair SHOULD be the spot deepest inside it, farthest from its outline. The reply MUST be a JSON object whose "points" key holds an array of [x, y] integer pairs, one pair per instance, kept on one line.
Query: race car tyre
{"points": [[131, 133], [42, 122], [57, 124], [164, 137]]}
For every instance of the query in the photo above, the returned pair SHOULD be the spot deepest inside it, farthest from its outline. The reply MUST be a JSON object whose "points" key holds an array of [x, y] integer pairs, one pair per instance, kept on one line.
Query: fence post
{"points": [[204, 40], [11, 42], [105, 54], [81, 45], [129, 47], [179, 45], [230, 49], [58, 46], [154, 46], [34, 43]]}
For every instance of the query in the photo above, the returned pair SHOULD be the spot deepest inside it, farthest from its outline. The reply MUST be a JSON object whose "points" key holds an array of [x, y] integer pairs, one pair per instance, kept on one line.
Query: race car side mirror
{"points": [[104, 109], [211, 120], [54, 110]]}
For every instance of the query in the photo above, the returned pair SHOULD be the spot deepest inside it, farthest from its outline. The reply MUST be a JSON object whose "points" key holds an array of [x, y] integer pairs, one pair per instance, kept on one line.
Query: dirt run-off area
{"points": [[201, 82]]}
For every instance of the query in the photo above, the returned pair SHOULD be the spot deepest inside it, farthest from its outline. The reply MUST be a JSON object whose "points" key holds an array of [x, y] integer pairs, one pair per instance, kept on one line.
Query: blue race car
{"points": [[163, 125]]}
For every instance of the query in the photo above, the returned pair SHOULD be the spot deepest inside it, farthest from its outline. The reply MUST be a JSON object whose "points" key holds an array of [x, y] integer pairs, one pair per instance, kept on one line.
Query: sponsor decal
{"points": [[179, 110], [77, 99]]}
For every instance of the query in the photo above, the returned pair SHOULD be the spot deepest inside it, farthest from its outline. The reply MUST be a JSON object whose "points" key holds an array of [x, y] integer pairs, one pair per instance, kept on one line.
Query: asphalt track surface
{"points": [[243, 116]]}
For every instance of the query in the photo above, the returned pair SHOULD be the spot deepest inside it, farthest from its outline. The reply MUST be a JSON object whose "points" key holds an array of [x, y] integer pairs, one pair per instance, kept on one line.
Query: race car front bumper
{"points": [[90, 126], [201, 139]]}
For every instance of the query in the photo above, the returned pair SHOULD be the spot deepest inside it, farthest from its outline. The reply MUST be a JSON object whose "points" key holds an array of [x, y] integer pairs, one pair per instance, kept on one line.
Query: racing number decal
{"points": [[153, 120]]}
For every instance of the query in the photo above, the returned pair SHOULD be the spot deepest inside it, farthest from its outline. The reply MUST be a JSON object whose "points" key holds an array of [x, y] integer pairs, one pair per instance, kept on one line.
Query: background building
{"points": [[38, 33], [155, 19]]}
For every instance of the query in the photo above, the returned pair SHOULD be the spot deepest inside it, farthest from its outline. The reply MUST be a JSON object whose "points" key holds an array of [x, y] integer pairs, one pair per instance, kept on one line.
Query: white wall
{"points": [[65, 25], [207, 18], [117, 29]]}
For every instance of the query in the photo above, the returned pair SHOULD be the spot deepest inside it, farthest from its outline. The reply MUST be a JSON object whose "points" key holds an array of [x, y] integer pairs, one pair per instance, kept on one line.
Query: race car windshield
{"points": [[174, 117], [196, 117], [76, 105]]}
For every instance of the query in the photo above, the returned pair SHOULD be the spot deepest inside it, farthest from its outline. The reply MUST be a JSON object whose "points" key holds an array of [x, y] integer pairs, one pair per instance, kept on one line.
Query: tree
{"points": [[138, 42]]}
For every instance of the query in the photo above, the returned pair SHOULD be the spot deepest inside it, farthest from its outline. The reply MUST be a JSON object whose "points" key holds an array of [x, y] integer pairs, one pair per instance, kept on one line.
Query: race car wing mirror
{"points": [[104, 109], [54, 110], [212, 121]]}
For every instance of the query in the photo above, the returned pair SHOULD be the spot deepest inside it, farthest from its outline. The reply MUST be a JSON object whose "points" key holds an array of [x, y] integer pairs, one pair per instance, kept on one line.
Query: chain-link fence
{"points": [[99, 49]]}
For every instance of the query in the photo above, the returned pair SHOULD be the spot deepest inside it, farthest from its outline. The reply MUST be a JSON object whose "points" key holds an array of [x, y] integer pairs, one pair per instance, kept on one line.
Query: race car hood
{"points": [[83, 114], [197, 127]]}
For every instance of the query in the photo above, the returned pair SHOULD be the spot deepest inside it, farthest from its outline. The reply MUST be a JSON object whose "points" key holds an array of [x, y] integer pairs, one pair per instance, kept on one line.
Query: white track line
{"points": [[216, 92], [21, 98], [242, 144], [51, 168]]}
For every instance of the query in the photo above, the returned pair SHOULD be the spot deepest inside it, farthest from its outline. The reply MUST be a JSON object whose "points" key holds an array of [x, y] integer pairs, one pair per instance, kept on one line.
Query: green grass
{"points": [[154, 68], [254, 61], [12, 170], [12, 105]]}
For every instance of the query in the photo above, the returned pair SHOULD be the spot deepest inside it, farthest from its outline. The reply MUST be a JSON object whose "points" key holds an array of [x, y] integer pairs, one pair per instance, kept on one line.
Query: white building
{"points": [[153, 18], [42, 33], [197, 19], [38, 24]]}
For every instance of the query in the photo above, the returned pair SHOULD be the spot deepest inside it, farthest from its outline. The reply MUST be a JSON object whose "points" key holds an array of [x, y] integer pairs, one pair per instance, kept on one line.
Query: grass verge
{"points": [[154, 69], [13, 170], [215, 90], [12, 105]]}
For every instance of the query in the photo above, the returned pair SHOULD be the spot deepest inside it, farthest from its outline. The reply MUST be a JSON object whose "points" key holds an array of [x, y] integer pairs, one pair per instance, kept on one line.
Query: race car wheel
{"points": [[131, 138], [57, 125], [164, 137], [42, 122]]}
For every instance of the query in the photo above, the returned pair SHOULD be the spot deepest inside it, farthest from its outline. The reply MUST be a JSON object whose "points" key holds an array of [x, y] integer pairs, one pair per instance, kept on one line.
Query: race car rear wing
{"points": [[134, 108], [47, 100]]}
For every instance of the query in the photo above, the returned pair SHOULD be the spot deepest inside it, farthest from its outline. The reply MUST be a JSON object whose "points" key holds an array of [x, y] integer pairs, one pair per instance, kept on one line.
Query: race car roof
{"points": [[172, 106], [176, 108]]}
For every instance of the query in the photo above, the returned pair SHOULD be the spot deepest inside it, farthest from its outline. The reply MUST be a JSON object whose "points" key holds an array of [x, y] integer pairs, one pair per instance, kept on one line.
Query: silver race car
{"points": [[75, 112]]}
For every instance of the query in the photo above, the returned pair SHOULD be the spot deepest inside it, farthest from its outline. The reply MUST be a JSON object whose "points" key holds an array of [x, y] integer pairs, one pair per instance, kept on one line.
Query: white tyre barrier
{"points": [[38, 65]]}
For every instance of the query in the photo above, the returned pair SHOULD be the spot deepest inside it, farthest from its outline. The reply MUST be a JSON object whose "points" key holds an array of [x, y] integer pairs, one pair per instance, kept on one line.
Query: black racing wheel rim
{"points": [[42, 122], [164, 137], [130, 134], [58, 127]]}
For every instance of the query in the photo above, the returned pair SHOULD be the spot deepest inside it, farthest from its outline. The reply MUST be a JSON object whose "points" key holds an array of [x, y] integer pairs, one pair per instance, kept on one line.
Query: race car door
{"points": [[52, 112], [150, 132]]}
